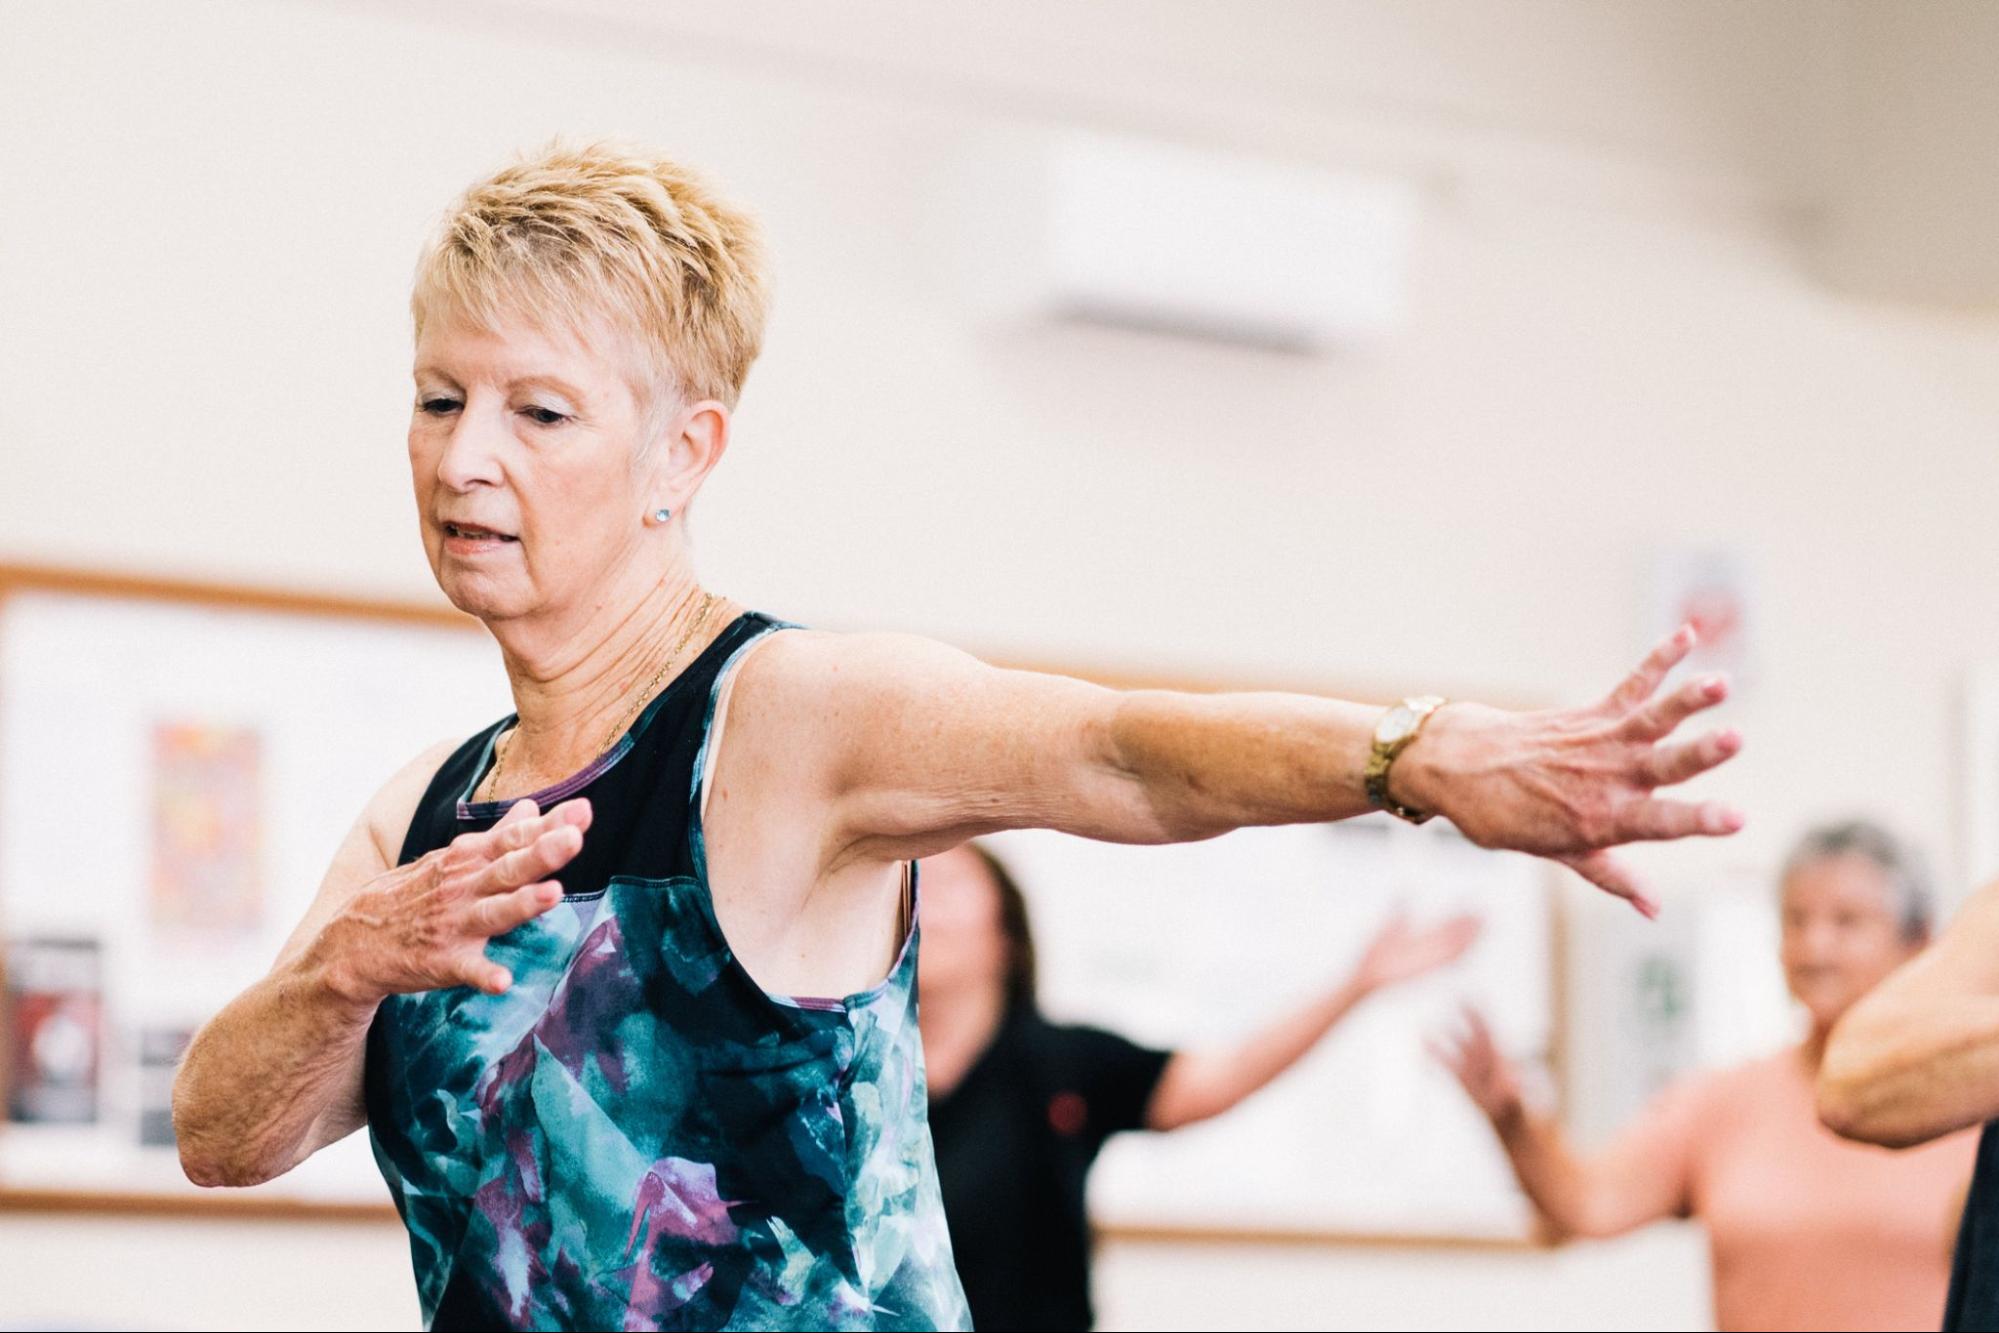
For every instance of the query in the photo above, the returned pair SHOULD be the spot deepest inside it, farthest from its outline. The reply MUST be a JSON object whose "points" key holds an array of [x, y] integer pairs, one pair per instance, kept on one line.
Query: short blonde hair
{"points": [[607, 229]]}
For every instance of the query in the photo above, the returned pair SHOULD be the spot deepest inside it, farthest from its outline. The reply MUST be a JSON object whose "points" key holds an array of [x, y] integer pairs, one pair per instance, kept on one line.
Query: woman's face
{"points": [[964, 946], [527, 455], [1842, 934]]}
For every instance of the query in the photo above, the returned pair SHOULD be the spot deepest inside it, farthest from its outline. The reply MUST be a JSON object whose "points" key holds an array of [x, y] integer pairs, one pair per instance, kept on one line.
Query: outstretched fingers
{"points": [[1454, 936], [483, 974], [524, 822], [1662, 821], [524, 845], [1662, 716], [1447, 1052], [502, 912], [1641, 728], [1613, 877], [1392, 930], [548, 853], [1466, 1048], [496, 915], [1642, 683], [1437, 946], [1670, 764]]}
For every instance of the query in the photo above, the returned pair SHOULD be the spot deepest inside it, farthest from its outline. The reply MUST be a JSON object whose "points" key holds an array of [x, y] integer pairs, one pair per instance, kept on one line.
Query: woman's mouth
{"points": [[463, 538]]}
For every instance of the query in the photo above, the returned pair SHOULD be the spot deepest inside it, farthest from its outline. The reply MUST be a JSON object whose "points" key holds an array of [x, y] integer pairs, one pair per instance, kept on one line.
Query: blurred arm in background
{"points": [[1198, 1084], [1919, 1056], [1642, 1176]]}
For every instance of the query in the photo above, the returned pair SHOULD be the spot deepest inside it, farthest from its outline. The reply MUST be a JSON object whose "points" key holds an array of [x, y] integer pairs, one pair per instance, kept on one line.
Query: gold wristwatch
{"points": [[1398, 726]]}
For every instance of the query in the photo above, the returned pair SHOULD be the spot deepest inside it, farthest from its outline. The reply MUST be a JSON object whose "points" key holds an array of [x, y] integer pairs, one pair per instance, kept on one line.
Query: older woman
{"points": [[1805, 1230], [683, 1086]]}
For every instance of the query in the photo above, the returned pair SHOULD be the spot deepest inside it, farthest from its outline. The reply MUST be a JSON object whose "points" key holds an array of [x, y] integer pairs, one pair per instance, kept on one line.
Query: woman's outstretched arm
{"points": [[915, 747], [1640, 1177], [1200, 1083]]}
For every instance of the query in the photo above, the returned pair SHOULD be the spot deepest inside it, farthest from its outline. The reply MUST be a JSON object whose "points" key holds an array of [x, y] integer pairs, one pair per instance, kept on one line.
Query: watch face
{"points": [[1398, 724]]}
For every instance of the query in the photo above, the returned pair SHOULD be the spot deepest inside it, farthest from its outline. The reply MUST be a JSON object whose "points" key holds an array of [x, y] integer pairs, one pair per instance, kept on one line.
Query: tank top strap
{"points": [[433, 824], [714, 720], [705, 676]]}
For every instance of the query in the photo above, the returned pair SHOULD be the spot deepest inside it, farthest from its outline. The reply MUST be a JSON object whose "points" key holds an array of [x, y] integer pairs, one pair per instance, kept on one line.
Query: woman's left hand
{"points": [[1399, 952], [1570, 783]]}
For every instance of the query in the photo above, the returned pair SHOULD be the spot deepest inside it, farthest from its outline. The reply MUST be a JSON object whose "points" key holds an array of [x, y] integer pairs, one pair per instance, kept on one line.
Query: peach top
{"points": [[1805, 1229]]}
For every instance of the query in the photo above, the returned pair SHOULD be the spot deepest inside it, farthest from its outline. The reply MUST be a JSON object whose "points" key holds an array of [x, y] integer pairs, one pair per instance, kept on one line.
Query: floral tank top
{"points": [[636, 1135]]}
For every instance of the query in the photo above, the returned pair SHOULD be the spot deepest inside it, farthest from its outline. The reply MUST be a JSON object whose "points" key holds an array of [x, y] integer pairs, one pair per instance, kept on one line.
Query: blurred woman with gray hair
{"points": [[1805, 1229]]}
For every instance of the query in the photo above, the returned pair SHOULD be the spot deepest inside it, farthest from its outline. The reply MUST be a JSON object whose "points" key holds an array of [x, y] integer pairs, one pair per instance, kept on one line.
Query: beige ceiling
{"points": [[1874, 124]]}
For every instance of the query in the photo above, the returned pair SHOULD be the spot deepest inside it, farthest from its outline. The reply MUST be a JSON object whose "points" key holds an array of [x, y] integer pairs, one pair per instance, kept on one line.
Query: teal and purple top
{"points": [[636, 1135]]}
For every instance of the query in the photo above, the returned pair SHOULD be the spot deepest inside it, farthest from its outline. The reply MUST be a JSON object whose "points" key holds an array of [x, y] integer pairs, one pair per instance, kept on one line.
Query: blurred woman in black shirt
{"points": [[1020, 1107]]}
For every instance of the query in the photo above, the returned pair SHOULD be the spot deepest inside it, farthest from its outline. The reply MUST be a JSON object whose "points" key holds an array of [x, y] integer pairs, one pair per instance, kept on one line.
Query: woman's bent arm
{"points": [[273, 1078], [1918, 1056], [277, 1074]]}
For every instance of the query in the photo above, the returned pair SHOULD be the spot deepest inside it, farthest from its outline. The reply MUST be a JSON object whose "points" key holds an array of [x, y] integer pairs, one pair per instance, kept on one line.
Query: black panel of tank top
{"points": [[633, 830]]}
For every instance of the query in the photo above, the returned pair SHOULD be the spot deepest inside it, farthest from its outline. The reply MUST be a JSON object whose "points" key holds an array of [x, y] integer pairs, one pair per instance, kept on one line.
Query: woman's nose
{"points": [[1819, 942], [471, 452]]}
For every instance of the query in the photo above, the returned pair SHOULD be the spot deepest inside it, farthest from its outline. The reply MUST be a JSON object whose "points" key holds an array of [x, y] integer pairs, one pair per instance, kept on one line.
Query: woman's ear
{"points": [[694, 441]]}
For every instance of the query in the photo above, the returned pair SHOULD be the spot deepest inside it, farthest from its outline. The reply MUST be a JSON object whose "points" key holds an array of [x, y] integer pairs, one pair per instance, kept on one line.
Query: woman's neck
{"points": [[958, 1026], [575, 694]]}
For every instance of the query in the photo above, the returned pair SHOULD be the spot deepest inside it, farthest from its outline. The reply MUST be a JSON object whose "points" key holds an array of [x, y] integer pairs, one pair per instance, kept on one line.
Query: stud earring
{"points": [[661, 515]]}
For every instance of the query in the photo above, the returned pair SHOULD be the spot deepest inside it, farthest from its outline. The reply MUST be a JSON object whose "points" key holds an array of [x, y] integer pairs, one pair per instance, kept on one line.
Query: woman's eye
{"points": [[543, 416], [438, 406]]}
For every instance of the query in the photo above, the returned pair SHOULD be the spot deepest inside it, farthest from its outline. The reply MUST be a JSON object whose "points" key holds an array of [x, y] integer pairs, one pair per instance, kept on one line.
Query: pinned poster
{"points": [[207, 839], [55, 1030], [1712, 589]]}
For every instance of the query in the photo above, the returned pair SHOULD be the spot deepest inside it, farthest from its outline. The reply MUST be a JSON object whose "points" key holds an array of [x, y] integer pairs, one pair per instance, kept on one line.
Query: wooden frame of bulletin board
{"points": [[178, 760]]}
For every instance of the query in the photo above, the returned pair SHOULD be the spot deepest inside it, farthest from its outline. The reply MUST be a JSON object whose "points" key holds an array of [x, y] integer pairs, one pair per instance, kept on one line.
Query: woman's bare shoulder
{"points": [[806, 668], [808, 689]]}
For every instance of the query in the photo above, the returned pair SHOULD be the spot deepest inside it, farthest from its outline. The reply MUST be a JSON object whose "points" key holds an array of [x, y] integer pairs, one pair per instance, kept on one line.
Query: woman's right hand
{"points": [[1474, 1058], [424, 926]]}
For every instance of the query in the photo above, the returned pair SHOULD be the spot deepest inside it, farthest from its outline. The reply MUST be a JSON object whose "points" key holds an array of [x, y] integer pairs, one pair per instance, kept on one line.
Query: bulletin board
{"points": [[177, 766], [179, 761]]}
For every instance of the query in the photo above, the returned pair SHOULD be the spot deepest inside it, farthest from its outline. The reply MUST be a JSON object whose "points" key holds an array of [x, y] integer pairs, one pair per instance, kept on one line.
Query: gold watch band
{"points": [[1392, 735]]}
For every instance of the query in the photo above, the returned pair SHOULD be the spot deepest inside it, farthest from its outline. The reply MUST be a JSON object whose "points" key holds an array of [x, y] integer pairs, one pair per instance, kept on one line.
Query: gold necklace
{"points": [[500, 751]]}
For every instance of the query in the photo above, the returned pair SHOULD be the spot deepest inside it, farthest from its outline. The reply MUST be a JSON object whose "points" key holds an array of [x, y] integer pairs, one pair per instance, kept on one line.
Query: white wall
{"points": [[208, 214]]}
